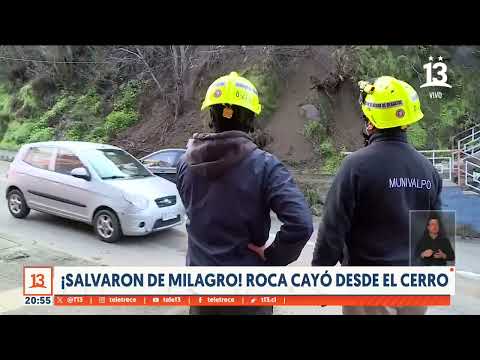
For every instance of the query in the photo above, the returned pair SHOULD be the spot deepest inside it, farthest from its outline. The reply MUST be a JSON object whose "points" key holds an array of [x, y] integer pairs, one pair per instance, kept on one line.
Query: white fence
{"points": [[472, 176], [442, 160]]}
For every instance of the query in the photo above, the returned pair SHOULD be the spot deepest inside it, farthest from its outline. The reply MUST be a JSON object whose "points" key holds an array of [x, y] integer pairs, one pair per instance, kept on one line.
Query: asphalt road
{"points": [[49, 240]]}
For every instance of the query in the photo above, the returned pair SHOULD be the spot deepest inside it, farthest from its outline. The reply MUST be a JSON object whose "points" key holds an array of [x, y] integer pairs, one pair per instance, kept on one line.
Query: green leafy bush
{"points": [[61, 105], [5, 100], [331, 156], [126, 99], [119, 120], [87, 106], [417, 136], [77, 131], [28, 104], [18, 133], [97, 135], [314, 131], [42, 134]]}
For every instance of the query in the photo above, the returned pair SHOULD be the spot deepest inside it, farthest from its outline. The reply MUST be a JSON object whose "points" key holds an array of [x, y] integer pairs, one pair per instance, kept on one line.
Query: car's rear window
{"points": [[39, 157]]}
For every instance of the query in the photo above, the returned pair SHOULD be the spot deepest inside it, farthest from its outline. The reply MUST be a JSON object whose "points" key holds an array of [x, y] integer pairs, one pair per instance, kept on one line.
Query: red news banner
{"points": [[295, 300]]}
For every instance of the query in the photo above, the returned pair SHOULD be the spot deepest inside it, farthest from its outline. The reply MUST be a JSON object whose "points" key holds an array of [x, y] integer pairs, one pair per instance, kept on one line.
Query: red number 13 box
{"points": [[38, 280]]}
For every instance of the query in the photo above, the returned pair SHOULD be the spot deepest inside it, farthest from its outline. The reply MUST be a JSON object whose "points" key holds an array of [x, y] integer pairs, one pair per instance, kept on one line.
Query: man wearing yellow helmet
{"points": [[366, 218], [228, 187]]}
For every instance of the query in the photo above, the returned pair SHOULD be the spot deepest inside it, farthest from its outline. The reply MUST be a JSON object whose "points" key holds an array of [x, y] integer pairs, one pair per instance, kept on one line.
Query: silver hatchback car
{"points": [[98, 184]]}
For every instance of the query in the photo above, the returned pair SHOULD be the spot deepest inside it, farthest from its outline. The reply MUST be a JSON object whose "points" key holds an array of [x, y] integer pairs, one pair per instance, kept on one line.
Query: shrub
{"points": [[18, 133], [5, 100], [27, 102], [314, 131], [8, 146], [126, 99], [77, 131], [59, 108], [98, 135], [119, 120], [87, 106], [332, 158], [42, 134], [417, 136]]}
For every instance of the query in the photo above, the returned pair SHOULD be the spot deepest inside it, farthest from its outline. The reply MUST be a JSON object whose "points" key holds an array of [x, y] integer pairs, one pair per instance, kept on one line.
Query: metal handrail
{"points": [[434, 151], [473, 175], [461, 171], [471, 138], [463, 132], [472, 149]]}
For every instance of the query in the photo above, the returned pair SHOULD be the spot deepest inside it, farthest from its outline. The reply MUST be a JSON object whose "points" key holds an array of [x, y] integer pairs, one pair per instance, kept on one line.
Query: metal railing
{"points": [[443, 164], [469, 143], [465, 134], [472, 176]]}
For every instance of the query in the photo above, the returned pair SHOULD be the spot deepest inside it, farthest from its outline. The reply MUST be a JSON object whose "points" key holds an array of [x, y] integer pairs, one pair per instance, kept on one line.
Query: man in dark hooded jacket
{"points": [[228, 187]]}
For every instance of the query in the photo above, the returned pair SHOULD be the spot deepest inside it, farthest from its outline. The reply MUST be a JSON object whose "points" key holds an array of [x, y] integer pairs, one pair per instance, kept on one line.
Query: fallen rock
{"points": [[310, 112]]}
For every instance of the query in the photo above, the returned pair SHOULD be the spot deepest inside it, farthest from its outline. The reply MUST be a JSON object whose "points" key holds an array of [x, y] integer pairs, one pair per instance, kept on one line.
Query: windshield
{"points": [[115, 164]]}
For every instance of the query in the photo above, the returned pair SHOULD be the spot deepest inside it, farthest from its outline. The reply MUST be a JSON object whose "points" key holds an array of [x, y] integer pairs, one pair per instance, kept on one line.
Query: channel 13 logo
{"points": [[37, 281], [436, 73]]}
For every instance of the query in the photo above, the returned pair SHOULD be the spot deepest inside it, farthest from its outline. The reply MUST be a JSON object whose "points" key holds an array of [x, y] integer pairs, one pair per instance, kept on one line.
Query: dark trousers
{"points": [[231, 310]]}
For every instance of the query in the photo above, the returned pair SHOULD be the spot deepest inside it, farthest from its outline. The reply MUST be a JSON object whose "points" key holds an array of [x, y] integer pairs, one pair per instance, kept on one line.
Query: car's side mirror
{"points": [[80, 173]]}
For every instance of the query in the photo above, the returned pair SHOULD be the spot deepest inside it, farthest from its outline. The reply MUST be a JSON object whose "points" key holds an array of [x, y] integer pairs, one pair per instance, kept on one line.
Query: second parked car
{"points": [[164, 163], [98, 184]]}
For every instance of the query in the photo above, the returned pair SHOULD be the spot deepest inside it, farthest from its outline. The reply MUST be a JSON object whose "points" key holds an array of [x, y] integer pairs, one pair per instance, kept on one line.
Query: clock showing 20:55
{"points": [[38, 300]]}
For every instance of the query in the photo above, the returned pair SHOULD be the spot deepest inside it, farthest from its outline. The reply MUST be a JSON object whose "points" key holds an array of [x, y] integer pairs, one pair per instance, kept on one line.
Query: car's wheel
{"points": [[17, 204], [107, 227]]}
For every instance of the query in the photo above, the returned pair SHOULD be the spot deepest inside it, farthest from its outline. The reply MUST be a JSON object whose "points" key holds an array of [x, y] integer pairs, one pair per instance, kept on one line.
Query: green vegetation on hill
{"points": [[73, 116]]}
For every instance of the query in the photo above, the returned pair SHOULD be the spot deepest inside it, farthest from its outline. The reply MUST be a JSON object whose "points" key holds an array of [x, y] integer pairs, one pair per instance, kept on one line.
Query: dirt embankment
{"points": [[347, 123], [287, 124], [159, 130]]}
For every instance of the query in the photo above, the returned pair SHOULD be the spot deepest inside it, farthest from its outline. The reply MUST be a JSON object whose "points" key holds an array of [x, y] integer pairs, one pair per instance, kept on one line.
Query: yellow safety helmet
{"points": [[389, 102], [233, 89]]}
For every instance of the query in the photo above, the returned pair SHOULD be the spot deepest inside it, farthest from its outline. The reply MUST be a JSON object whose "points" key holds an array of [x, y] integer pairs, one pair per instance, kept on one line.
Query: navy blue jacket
{"points": [[228, 187], [366, 217]]}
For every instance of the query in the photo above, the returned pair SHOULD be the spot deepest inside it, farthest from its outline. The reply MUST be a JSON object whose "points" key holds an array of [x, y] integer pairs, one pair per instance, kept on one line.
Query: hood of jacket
{"points": [[213, 154]]}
